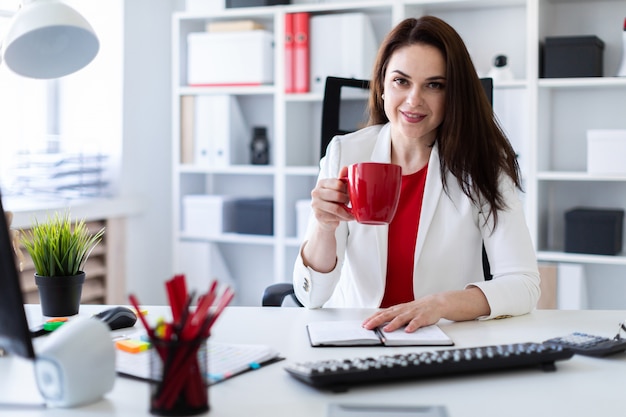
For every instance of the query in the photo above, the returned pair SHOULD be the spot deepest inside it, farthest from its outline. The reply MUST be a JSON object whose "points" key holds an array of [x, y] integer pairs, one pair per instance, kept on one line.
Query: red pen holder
{"points": [[181, 369]]}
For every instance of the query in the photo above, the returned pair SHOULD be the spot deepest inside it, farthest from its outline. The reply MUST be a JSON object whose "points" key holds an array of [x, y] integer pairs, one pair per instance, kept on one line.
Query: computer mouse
{"points": [[118, 317]]}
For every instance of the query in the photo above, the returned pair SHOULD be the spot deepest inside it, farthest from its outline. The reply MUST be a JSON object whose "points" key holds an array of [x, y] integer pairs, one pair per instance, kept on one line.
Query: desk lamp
{"points": [[76, 364], [48, 39]]}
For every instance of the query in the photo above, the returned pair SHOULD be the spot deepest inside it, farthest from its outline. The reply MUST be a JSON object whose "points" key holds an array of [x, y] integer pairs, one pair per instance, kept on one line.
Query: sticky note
{"points": [[132, 346], [57, 319], [52, 325]]}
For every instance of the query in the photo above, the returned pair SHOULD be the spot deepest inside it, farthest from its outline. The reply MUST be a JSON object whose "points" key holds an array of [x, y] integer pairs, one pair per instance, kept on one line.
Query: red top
{"points": [[402, 237]]}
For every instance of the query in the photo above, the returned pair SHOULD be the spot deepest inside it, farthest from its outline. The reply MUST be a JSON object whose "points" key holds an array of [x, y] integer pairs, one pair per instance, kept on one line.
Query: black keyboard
{"points": [[340, 374]]}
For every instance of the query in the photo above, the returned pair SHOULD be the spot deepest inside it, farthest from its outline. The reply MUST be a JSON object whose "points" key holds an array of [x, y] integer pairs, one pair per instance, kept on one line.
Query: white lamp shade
{"points": [[48, 39]]}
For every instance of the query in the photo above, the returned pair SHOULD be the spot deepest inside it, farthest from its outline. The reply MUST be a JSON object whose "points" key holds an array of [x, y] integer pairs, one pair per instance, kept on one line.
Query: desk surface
{"points": [[581, 386]]}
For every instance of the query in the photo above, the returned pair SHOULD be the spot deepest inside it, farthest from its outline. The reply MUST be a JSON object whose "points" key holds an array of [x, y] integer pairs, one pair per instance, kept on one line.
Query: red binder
{"points": [[301, 52], [289, 58]]}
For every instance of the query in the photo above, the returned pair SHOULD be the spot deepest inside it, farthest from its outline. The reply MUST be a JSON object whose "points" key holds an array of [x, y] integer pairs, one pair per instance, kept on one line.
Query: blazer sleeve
{"points": [[514, 289], [313, 289]]}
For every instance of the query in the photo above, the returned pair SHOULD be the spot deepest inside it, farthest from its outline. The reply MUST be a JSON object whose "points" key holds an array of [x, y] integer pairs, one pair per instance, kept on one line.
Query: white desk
{"points": [[581, 386]]}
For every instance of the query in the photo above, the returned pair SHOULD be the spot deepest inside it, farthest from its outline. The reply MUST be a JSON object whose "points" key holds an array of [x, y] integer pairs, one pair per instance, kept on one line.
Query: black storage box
{"points": [[254, 216], [573, 56], [594, 231], [254, 3]]}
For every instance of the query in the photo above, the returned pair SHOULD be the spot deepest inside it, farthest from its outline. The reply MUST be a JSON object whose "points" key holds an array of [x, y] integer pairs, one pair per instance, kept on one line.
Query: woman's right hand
{"points": [[329, 197]]}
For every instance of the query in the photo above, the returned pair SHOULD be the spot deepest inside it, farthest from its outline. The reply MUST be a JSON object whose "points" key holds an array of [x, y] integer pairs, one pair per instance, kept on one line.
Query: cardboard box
{"points": [[303, 211], [207, 216], [594, 231], [254, 216], [573, 56], [230, 58], [605, 151]]}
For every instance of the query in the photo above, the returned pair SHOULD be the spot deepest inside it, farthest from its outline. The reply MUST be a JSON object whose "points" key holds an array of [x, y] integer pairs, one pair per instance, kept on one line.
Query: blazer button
{"points": [[306, 285]]}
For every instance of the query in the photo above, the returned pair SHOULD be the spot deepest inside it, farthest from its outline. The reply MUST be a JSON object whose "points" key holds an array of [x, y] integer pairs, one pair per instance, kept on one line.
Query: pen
{"points": [[135, 303], [225, 299], [200, 314]]}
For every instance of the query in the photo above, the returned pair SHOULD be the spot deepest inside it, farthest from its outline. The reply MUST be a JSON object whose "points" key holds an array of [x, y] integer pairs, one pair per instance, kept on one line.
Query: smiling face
{"points": [[414, 92]]}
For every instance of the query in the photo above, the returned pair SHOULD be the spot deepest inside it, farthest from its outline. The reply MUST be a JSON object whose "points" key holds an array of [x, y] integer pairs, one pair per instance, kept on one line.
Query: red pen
{"points": [[225, 299], [199, 315], [135, 303]]}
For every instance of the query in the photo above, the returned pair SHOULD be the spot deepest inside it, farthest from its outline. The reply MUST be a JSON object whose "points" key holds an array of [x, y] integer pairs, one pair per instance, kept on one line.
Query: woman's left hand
{"points": [[415, 314], [467, 304]]}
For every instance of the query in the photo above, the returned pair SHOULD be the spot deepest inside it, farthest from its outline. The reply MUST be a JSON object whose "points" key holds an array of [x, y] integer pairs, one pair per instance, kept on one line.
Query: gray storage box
{"points": [[573, 56], [254, 216], [594, 231], [254, 3]]}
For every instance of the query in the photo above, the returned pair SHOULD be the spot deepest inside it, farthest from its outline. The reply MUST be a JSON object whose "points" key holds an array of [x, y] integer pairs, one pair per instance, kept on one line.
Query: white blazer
{"points": [[448, 248]]}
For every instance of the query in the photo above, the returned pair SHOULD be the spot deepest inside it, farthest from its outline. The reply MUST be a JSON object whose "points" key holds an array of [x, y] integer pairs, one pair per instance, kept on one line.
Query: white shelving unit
{"points": [[546, 120]]}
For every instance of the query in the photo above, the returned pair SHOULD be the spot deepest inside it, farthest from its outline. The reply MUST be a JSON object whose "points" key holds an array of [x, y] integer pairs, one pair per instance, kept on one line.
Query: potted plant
{"points": [[59, 249]]}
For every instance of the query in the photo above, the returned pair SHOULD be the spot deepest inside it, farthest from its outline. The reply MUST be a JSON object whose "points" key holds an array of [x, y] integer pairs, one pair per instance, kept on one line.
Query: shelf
{"points": [[548, 256], [578, 176], [234, 238], [303, 171], [546, 120], [585, 83], [235, 91], [229, 170], [304, 97], [510, 85]]}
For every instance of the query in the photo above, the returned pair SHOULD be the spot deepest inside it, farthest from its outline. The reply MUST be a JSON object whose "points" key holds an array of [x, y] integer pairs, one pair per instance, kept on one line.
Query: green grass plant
{"points": [[60, 247]]}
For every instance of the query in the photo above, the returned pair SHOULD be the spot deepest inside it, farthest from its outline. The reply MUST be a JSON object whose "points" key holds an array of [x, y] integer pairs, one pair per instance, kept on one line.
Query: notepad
{"points": [[352, 333], [225, 360]]}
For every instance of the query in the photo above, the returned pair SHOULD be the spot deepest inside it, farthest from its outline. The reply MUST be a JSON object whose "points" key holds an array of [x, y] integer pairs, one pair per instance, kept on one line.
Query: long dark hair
{"points": [[472, 145]]}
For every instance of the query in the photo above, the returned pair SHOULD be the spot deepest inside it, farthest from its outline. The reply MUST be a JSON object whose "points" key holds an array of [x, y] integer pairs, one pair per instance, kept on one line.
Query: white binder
{"points": [[341, 45], [221, 132]]}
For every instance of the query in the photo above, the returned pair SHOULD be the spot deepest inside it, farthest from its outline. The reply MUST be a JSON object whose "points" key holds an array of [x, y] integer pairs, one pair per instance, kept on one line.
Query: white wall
{"points": [[146, 162]]}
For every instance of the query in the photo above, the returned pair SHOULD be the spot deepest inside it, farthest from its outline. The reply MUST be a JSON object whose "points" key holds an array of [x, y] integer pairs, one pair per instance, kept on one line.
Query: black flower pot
{"points": [[60, 296]]}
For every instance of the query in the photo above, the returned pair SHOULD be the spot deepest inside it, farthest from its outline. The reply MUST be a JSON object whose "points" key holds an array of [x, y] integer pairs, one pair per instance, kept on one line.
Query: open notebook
{"points": [[225, 360], [351, 333]]}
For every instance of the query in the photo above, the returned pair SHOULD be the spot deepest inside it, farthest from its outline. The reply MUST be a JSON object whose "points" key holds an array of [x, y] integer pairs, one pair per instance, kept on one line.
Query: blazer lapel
{"points": [[382, 153], [432, 193]]}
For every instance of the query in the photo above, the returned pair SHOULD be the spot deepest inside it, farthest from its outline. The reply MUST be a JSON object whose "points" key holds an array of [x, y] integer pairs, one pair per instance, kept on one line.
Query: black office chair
{"points": [[337, 122]]}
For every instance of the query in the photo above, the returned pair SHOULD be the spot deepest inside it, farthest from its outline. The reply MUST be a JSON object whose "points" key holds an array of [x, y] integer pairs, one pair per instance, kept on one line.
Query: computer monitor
{"points": [[15, 334]]}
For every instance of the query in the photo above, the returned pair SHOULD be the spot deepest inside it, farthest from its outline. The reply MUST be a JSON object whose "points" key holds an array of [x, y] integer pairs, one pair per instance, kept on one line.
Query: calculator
{"points": [[589, 345]]}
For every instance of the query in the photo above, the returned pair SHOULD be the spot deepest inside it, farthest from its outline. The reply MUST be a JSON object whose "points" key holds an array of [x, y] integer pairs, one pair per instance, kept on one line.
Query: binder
{"points": [[289, 46], [186, 129], [341, 45], [221, 132], [301, 52]]}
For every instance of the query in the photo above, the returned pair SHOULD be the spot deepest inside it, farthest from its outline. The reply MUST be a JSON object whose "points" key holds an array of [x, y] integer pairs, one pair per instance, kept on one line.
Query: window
{"points": [[63, 136]]}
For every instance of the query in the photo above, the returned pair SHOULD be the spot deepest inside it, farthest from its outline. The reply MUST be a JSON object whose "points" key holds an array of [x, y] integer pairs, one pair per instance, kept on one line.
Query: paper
{"points": [[351, 333], [225, 361]]}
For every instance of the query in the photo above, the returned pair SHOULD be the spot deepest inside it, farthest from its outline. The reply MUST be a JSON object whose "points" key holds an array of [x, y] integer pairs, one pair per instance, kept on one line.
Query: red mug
{"points": [[374, 190]]}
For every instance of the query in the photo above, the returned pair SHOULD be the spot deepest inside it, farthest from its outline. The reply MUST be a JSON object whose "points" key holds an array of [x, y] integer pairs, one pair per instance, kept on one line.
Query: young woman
{"points": [[460, 183]]}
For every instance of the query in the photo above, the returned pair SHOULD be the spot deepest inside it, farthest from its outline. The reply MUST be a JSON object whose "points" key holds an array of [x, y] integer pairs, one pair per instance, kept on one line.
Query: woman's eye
{"points": [[400, 81], [436, 85]]}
